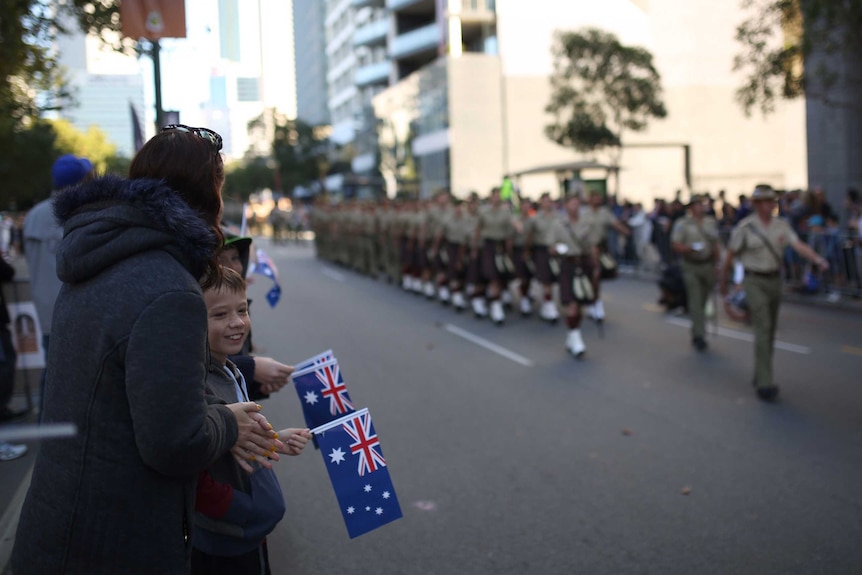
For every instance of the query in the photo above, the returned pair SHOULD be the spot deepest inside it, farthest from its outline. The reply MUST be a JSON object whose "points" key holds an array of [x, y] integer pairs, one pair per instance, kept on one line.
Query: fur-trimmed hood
{"points": [[110, 219]]}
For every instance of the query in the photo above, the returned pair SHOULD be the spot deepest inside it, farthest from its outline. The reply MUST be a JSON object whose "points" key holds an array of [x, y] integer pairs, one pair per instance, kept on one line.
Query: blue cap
{"points": [[68, 170]]}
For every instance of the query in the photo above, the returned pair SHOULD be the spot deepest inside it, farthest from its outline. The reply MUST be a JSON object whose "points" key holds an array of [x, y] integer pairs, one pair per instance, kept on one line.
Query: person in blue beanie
{"points": [[42, 235]]}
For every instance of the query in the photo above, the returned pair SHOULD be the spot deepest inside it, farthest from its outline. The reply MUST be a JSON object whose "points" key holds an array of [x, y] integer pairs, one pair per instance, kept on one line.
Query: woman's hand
{"points": [[294, 440], [272, 375], [256, 440]]}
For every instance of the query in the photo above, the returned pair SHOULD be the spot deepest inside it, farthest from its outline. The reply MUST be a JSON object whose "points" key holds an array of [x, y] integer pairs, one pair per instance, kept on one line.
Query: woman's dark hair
{"points": [[193, 168]]}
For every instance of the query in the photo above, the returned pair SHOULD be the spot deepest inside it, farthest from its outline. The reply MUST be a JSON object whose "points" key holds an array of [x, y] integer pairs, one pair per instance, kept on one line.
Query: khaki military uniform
{"points": [[495, 227], [762, 283], [576, 260], [698, 268], [598, 221]]}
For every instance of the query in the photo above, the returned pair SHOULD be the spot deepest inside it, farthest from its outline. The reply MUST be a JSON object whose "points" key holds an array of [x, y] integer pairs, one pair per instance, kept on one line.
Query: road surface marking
{"points": [[851, 349], [490, 346], [333, 275], [740, 335]]}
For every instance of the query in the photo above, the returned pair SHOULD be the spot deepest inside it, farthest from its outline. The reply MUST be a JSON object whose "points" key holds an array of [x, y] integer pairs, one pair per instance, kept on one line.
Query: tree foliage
{"points": [[92, 144], [778, 40], [25, 169], [600, 89], [31, 81], [300, 151], [248, 177]]}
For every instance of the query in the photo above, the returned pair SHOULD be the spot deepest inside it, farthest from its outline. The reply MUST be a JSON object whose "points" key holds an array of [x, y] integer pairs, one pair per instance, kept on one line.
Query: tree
{"points": [[600, 90], [92, 144], [300, 151], [26, 170], [780, 40], [248, 177], [31, 81]]}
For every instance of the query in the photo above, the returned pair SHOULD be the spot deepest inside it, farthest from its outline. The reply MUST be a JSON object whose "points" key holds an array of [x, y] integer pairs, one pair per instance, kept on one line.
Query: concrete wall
{"points": [[693, 47], [476, 127]]}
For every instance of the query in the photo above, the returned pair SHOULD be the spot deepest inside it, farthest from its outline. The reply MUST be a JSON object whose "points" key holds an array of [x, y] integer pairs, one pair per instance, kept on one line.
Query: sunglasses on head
{"points": [[203, 133]]}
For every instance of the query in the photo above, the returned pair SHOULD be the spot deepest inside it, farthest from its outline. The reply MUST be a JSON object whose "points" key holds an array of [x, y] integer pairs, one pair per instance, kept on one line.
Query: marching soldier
{"points": [[695, 239], [570, 240], [471, 259], [600, 218], [537, 243], [492, 243], [521, 257], [758, 242], [453, 244]]}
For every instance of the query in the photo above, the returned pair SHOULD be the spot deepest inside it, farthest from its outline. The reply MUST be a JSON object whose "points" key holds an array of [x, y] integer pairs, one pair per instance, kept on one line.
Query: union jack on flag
{"points": [[329, 375], [315, 385], [365, 492], [364, 443]]}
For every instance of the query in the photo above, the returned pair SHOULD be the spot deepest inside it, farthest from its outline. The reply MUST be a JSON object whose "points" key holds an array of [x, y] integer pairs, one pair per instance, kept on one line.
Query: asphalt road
{"points": [[510, 457], [643, 458]]}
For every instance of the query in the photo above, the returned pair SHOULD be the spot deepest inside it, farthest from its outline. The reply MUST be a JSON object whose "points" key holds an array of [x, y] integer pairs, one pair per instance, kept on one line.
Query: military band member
{"points": [[758, 242], [570, 240], [492, 243], [695, 238]]}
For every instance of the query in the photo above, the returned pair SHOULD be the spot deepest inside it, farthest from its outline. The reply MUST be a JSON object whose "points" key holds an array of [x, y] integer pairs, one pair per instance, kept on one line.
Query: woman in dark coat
{"points": [[127, 366]]}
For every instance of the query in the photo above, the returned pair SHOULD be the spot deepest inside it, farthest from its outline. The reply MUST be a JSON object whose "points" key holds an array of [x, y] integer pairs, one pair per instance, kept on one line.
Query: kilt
{"points": [[472, 268], [570, 268], [420, 255], [542, 265], [405, 253], [455, 268], [495, 263], [522, 267], [440, 262]]}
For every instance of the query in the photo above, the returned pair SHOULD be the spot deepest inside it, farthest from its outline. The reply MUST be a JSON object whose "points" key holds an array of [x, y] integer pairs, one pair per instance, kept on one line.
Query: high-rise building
{"points": [[309, 41], [106, 86], [452, 94]]}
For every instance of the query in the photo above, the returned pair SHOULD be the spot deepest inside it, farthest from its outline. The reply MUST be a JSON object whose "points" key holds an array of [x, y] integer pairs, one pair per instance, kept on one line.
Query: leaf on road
{"points": [[627, 431], [685, 490]]}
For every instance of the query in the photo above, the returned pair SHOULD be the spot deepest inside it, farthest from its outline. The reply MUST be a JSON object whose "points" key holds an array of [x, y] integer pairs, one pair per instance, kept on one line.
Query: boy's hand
{"points": [[272, 375], [294, 440]]}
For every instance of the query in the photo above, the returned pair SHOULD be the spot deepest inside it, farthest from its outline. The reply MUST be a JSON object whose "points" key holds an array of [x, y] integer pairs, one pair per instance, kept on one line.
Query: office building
{"points": [[309, 38]]}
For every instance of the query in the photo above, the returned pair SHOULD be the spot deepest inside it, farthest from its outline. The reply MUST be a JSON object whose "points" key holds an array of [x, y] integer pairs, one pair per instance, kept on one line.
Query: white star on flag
{"points": [[337, 456], [350, 510], [379, 511], [311, 398], [367, 488], [385, 495]]}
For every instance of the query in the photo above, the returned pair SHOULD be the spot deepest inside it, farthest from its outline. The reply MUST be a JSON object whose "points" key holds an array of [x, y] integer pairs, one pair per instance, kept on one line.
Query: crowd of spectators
{"points": [[834, 234]]}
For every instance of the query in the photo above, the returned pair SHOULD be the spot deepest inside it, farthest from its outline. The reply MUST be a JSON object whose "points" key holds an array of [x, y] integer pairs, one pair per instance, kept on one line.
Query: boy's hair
{"points": [[228, 280]]}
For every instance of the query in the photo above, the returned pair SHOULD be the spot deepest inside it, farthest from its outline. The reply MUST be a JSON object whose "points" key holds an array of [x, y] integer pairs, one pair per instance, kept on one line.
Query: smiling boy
{"points": [[230, 525]]}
